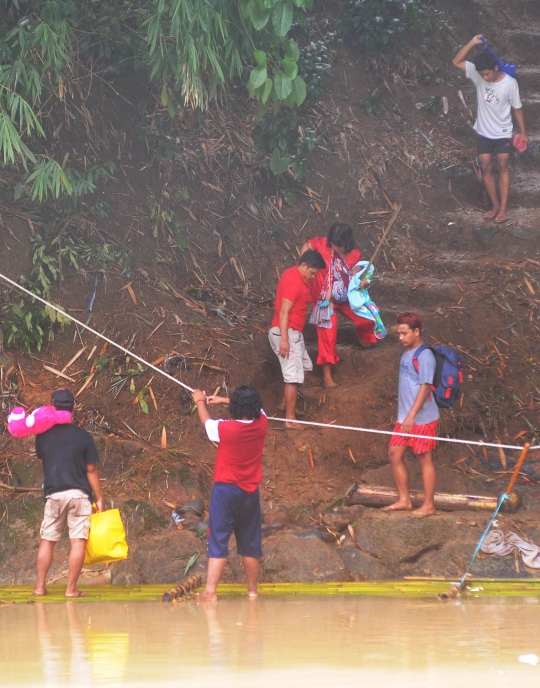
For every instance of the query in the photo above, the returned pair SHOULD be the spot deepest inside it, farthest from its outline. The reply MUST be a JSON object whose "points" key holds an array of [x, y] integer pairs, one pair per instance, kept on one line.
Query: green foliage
{"points": [[26, 323], [165, 220], [378, 23], [372, 104], [192, 50], [290, 138], [314, 65]]}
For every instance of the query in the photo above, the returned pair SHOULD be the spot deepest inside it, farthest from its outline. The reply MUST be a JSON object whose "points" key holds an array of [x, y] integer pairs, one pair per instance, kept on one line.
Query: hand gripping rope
{"points": [[281, 420]]}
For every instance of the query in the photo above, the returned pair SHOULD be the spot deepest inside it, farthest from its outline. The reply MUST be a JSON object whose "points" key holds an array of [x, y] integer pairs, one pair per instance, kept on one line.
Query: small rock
{"points": [[341, 516], [277, 519], [297, 559], [195, 506]]}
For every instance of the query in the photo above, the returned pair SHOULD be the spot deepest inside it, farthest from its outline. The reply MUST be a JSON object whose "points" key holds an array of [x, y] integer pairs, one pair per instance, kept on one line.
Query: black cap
{"points": [[63, 400]]}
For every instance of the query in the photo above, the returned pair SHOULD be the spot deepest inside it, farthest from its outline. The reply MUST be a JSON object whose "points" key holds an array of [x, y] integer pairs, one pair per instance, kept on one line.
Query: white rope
{"points": [[404, 434], [98, 334], [281, 420]]}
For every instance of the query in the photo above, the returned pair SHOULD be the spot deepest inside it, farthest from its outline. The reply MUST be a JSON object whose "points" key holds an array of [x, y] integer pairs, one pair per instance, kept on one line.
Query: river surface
{"points": [[312, 642]]}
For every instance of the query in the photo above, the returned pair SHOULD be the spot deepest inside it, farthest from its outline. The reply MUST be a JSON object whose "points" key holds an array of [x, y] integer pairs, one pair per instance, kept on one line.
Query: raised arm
{"points": [[460, 58], [214, 399], [199, 397]]}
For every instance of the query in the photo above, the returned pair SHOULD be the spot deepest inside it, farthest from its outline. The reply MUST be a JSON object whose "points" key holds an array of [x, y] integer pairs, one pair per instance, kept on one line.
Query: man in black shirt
{"points": [[69, 458]]}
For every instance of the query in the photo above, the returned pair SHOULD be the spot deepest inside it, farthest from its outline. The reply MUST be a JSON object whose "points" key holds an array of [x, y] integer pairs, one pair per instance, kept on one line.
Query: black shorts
{"points": [[492, 146]]}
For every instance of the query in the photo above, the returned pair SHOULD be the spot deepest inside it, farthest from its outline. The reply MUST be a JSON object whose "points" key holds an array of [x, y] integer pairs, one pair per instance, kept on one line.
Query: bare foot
{"points": [[206, 597], [252, 594], [399, 506], [294, 426], [365, 345], [297, 411], [423, 511], [78, 593], [39, 592], [329, 384]]}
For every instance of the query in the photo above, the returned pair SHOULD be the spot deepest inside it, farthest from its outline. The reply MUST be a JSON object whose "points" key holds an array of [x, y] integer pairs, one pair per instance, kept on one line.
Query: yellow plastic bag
{"points": [[107, 538]]}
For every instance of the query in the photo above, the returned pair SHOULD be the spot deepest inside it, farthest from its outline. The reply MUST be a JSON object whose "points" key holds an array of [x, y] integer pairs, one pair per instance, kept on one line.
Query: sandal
{"points": [[491, 215], [501, 219]]}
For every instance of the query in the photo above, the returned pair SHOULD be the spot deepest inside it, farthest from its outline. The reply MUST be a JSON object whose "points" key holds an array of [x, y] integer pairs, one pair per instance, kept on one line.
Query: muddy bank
{"points": [[341, 544], [385, 546]]}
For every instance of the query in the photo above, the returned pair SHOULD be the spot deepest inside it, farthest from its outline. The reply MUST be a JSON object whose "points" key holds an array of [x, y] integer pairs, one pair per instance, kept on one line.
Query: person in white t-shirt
{"points": [[498, 95]]}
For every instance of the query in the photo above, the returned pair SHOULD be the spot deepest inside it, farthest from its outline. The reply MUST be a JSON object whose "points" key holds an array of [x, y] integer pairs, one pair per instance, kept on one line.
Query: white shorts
{"points": [[293, 367]]}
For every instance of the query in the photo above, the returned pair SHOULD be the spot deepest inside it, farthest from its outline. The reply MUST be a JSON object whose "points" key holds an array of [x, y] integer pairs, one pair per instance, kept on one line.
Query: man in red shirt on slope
{"points": [[235, 504], [285, 335]]}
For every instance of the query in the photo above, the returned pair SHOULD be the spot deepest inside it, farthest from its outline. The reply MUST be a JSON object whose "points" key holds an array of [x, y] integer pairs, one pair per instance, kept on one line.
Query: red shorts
{"points": [[419, 445]]}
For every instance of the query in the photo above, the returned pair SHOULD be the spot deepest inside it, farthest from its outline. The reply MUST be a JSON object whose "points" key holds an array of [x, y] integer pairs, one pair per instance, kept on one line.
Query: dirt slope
{"points": [[477, 289]]}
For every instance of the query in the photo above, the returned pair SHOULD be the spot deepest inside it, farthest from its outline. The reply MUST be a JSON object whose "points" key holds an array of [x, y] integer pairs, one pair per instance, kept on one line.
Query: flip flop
{"points": [[80, 593], [491, 215], [519, 144], [501, 219]]}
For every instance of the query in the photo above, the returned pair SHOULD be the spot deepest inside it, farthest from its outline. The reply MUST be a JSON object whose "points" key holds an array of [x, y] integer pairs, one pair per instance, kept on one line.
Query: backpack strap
{"points": [[416, 356]]}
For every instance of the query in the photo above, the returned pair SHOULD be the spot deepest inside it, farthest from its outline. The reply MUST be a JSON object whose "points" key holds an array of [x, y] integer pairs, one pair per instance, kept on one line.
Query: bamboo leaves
{"points": [[48, 177], [11, 144], [191, 49]]}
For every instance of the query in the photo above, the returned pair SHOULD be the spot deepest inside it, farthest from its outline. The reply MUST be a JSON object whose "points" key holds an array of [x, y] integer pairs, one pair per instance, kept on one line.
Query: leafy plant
{"points": [[314, 65], [433, 104], [378, 23], [372, 104], [191, 50], [290, 138], [25, 322], [164, 219]]}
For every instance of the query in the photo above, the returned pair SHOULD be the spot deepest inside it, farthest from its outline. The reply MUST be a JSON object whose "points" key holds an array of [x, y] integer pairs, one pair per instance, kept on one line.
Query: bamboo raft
{"points": [[407, 588]]}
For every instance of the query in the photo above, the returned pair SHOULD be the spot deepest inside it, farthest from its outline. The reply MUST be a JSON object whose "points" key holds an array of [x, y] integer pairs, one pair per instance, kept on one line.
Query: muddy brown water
{"points": [[272, 642]]}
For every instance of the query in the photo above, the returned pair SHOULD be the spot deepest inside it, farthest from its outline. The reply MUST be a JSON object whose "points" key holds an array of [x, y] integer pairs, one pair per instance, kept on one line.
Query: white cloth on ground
{"points": [[498, 543]]}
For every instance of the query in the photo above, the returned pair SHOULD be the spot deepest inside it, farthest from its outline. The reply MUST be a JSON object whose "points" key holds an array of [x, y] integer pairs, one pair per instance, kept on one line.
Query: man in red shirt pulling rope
{"points": [[285, 335], [235, 505]]}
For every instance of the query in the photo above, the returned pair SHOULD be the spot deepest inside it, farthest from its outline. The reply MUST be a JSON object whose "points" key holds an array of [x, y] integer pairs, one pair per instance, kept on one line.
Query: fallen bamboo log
{"points": [[379, 496], [182, 589]]}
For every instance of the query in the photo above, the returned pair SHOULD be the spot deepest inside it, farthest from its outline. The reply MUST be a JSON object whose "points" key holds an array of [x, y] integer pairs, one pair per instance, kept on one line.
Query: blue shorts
{"points": [[233, 510]]}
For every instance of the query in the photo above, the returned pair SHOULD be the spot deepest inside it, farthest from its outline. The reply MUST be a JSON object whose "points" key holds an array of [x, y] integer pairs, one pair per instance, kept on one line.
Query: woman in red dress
{"points": [[339, 252]]}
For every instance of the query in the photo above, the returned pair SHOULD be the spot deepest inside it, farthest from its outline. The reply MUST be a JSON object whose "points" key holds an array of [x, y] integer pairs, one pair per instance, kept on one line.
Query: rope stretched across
{"points": [[282, 420], [98, 334]]}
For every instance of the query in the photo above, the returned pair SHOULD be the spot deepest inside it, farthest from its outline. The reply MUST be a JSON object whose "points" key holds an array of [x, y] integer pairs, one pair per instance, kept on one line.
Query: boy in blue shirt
{"points": [[418, 414]]}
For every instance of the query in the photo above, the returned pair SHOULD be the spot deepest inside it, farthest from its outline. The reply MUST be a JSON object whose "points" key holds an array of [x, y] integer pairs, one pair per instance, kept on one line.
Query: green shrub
{"points": [[381, 22]]}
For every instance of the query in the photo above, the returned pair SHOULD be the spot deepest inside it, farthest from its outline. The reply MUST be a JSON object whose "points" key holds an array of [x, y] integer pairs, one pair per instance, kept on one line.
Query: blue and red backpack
{"points": [[448, 376]]}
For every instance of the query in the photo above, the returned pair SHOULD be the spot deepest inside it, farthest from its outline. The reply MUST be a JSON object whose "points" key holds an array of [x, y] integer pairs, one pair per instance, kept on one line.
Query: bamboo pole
{"points": [[455, 590], [378, 496], [481, 587]]}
